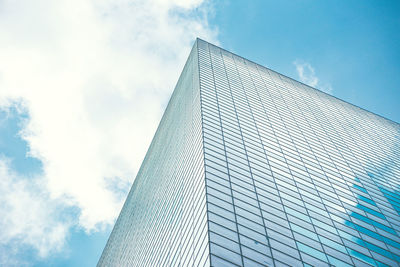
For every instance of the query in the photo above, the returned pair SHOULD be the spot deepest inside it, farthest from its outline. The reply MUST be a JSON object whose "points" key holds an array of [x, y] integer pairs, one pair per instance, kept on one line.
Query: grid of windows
{"points": [[251, 168], [294, 176], [163, 221]]}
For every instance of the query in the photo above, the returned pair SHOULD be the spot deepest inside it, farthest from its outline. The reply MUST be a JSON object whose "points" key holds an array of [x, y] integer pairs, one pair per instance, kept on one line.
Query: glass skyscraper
{"points": [[251, 168]]}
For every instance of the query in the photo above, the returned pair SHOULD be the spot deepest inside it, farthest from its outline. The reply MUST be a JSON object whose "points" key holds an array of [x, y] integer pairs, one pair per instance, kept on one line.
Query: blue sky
{"points": [[79, 102], [352, 45]]}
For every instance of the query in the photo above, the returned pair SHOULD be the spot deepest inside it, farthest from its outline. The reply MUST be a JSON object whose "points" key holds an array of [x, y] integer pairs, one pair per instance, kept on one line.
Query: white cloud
{"points": [[307, 75], [28, 218], [94, 77]]}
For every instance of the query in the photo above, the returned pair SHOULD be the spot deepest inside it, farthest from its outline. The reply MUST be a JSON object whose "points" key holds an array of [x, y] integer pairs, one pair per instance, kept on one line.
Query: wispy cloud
{"points": [[94, 78], [307, 75]]}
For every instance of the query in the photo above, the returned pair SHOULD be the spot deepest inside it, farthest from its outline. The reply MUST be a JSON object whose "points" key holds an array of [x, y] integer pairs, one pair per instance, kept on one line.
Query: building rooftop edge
{"points": [[198, 38]]}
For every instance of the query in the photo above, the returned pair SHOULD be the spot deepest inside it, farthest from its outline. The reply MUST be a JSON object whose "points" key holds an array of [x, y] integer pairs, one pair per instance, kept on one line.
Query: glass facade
{"points": [[251, 168], [163, 221]]}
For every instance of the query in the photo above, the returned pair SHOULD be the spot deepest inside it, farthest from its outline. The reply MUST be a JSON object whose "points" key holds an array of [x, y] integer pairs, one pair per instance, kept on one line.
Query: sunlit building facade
{"points": [[251, 168]]}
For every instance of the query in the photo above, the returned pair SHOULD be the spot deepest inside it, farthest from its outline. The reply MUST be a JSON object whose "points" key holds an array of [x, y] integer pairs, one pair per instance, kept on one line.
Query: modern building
{"points": [[251, 168]]}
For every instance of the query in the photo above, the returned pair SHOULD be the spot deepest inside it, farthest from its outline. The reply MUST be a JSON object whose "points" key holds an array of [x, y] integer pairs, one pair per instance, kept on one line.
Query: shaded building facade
{"points": [[251, 168]]}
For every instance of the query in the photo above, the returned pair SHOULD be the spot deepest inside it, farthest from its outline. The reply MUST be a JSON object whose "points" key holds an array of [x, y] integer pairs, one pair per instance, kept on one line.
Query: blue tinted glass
{"points": [[311, 251], [371, 211], [368, 232], [379, 250], [372, 222], [333, 244], [362, 257], [337, 262], [366, 200], [360, 188]]}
